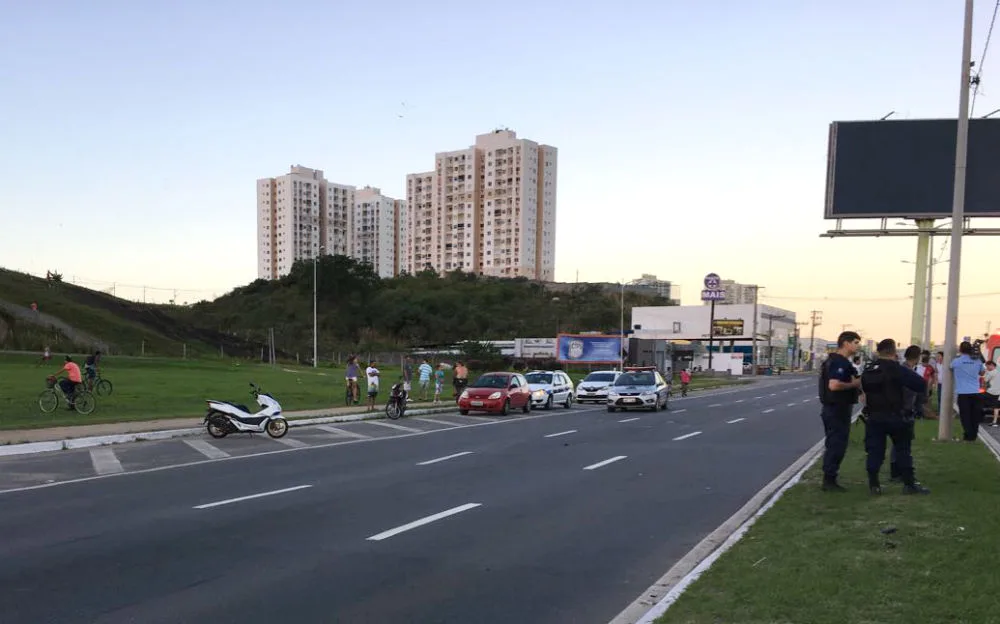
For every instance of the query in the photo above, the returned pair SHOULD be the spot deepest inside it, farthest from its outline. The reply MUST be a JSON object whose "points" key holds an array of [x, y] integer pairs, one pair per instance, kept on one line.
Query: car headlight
{"points": [[494, 396], [539, 394]]}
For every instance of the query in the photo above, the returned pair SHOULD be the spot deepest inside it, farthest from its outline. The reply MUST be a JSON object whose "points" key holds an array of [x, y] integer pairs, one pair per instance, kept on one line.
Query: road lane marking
{"points": [[716, 405], [738, 401], [687, 435], [436, 422], [768, 411], [421, 522], [251, 496], [791, 405], [605, 462], [445, 458], [760, 397], [772, 394], [344, 432], [105, 461], [206, 449], [393, 426], [292, 442], [784, 390], [561, 433], [632, 419], [734, 421], [680, 411]]}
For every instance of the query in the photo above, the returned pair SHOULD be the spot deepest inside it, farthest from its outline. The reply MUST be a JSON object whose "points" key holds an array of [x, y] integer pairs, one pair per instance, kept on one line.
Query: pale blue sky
{"points": [[691, 134]]}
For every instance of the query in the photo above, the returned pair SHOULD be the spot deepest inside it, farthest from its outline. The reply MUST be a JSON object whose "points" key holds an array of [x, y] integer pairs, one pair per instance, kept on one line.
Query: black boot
{"points": [[894, 474], [915, 488], [873, 485], [830, 485]]}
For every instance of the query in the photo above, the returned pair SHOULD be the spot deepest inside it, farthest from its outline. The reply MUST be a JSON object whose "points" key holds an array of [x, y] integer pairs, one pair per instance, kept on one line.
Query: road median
{"points": [[830, 558]]}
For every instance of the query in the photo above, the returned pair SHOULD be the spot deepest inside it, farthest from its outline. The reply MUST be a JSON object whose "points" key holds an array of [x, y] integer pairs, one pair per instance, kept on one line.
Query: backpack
{"points": [[882, 384]]}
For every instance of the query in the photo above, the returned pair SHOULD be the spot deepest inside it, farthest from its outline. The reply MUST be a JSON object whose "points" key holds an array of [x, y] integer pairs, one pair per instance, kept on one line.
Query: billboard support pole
{"points": [[621, 335], [957, 223], [753, 348], [711, 328], [920, 282]]}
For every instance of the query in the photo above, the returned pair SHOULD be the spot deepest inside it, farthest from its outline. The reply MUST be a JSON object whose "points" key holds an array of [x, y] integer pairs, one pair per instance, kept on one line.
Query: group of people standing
{"points": [[425, 373], [895, 392]]}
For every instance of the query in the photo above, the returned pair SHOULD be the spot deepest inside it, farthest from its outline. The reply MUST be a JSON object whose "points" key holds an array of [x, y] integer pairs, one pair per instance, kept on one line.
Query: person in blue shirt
{"points": [[884, 383], [967, 368], [838, 392]]}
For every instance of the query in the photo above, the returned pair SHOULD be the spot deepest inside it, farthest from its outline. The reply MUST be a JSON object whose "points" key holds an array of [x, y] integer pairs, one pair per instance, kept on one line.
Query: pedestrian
{"points": [[438, 382], [966, 369], [914, 405], [991, 399], [928, 370], [425, 371], [838, 392], [351, 377], [372, 373], [407, 377], [460, 378], [939, 370], [884, 383]]}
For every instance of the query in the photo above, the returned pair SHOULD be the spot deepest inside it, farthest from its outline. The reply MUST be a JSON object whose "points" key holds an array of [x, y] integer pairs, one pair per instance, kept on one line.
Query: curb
{"points": [[991, 443], [655, 601], [29, 448]]}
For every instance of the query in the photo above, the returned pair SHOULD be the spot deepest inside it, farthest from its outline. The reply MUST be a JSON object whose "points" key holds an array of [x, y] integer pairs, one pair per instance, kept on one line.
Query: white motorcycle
{"points": [[224, 417]]}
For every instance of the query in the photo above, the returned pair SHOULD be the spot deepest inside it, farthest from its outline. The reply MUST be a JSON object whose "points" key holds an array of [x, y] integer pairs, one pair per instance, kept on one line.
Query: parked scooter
{"points": [[224, 417], [396, 406]]}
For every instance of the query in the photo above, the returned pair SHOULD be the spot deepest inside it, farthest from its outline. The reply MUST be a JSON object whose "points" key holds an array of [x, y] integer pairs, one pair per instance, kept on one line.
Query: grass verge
{"points": [[822, 558]]}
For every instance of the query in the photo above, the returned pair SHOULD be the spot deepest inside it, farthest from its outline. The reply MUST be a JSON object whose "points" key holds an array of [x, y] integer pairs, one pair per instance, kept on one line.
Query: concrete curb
{"points": [[121, 438], [655, 601], [991, 443]]}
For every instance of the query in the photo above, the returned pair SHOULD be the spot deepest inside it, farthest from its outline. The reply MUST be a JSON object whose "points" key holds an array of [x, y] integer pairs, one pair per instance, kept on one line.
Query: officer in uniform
{"points": [[884, 382], [912, 402], [838, 392]]}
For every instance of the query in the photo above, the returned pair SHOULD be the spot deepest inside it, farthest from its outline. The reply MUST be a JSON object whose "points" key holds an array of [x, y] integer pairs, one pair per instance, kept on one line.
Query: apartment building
{"points": [[736, 293], [301, 215], [488, 209]]}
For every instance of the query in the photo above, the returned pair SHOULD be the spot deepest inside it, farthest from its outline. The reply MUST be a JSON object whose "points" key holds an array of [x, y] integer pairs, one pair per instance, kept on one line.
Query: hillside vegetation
{"points": [[357, 311]]}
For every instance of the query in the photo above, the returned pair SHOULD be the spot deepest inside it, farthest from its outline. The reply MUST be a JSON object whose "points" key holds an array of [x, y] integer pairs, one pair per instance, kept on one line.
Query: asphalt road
{"points": [[561, 516]]}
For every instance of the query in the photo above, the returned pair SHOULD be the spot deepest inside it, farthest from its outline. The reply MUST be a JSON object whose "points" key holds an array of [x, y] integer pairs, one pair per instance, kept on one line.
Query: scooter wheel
{"points": [[277, 428], [215, 430]]}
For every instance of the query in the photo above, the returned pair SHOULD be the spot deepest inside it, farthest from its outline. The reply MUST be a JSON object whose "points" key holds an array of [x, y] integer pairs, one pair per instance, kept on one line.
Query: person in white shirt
{"points": [[373, 378], [992, 380]]}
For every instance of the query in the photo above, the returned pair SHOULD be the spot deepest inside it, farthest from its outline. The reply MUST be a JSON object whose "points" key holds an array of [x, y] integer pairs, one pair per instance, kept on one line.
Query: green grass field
{"points": [[151, 388], [822, 558]]}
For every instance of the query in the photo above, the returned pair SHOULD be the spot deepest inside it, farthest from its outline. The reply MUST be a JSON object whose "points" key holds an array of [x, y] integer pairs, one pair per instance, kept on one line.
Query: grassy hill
{"points": [[358, 311]]}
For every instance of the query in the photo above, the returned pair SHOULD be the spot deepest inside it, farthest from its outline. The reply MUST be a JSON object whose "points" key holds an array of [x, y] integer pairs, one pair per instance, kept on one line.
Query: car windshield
{"points": [[539, 378], [636, 379], [491, 381], [600, 377]]}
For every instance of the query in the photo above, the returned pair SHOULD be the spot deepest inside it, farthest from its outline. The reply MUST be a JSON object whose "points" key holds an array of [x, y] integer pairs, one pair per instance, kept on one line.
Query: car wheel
{"points": [[527, 406], [506, 408], [463, 412], [569, 401], [548, 403]]}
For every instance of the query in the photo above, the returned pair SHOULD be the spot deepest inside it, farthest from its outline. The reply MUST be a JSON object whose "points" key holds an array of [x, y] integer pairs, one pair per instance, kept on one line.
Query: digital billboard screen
{"points": [[906, 169], [589, 349]]}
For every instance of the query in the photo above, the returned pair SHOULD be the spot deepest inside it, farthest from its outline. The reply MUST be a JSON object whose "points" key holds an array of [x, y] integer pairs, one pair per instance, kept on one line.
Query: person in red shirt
{"points": [[685, 380], [68, 383]]}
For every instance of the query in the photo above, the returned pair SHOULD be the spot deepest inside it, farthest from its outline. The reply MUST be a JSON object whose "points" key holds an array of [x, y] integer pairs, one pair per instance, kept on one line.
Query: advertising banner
{"points": [[727, 327], [589, 349]]}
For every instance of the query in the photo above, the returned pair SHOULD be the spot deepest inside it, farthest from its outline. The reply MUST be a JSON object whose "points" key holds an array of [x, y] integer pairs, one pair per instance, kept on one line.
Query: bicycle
{"points": [[83, 401], [351, 395], [99, 386]]}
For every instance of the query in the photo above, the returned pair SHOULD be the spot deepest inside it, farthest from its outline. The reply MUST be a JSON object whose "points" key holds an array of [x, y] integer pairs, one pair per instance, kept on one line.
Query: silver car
{"points": [[594, 387], [639, 388]]}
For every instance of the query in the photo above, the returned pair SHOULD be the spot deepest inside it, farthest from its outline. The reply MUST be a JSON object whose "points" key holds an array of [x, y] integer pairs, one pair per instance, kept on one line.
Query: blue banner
{"points": [[590, 349]]}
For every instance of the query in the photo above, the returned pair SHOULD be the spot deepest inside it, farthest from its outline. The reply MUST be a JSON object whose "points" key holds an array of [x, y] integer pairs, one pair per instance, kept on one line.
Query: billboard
{"points": [[589, 349], [535, 348], [906, 169], [722, 328]]}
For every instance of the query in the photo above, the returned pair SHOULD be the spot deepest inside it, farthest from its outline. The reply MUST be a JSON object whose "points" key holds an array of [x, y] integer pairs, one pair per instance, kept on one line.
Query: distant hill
{"points": [[357, 311]]}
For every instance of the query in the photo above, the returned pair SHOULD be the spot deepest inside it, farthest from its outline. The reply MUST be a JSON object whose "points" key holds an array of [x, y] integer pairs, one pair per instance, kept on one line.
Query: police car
{"points": [[639, 387], [550, 388]]}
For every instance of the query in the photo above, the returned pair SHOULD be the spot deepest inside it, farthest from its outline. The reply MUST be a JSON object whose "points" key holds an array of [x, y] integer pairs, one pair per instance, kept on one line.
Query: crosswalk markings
{"points": [[206, 449], [394, 426], [105, 461], [292, 442], [343, 432]]}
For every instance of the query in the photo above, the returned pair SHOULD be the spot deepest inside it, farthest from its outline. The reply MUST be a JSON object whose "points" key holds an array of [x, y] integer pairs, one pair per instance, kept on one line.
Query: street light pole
{"points": [[621, 334], [957, 221], [315, 317]]}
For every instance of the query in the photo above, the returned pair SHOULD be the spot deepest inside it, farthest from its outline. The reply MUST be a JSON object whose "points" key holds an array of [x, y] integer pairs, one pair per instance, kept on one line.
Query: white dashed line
{"points": [[343, 432], [418, 523], [716, 405], [773, 394], [445, 458], [680, 411], [436, 421], [243, 498], [105, 461], [768, 411], [206, 449], [734, 421], [791, 405], [605, 462], [738, 401], [687, 435], [760, 397], [632, 419], [561, 433]]}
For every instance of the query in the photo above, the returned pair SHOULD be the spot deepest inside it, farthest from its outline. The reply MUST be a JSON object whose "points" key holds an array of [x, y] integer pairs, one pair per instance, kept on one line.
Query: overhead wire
{"points": [[977, 79]]}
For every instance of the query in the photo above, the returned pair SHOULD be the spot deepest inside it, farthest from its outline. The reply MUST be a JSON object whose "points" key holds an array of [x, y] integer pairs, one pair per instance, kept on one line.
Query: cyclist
{"points": [[90, 367], [353, 371], [68, 384]]}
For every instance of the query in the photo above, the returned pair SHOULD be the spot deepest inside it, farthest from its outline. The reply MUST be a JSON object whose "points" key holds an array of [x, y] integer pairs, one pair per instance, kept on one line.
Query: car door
{"points": [[515, 392], [662, 389], [558, 388], [524, 389]]}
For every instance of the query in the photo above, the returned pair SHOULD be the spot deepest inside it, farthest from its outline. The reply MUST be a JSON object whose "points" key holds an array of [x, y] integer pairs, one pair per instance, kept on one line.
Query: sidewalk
{"points": [[22, 436]]}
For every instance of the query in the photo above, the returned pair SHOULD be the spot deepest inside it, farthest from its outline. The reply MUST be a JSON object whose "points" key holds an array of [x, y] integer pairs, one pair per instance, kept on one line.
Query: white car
{"points": [[594, 387], [549, 388]]}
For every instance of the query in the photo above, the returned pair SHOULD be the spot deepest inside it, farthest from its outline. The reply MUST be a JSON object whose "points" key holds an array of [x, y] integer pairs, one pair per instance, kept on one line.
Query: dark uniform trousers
{"points": [[880, 427], [837, 424]]}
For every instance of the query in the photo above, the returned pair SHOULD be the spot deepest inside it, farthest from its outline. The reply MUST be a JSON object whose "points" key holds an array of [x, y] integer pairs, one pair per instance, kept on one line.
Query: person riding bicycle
{"points": [[685, 381], [90, 367], [353, 371], [68, 384]]}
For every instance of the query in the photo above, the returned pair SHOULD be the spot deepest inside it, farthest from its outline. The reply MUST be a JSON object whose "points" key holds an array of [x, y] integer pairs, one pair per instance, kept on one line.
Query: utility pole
{"points": [[815, 320], [770, 336], [753, 348], [957, 223], [797, 349]]}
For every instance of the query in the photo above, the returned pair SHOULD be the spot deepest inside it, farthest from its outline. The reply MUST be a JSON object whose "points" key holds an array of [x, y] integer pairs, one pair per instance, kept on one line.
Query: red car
{"points": [[496, 393]]}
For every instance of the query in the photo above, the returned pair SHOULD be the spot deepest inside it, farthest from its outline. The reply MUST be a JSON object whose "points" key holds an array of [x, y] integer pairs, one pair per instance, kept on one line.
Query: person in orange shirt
{"points": [[68, 383]]}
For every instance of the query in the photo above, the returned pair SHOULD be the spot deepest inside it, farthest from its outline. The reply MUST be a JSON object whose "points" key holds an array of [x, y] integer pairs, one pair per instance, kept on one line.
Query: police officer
{"points": [[884, 382], [838, 392], [914, 403]]}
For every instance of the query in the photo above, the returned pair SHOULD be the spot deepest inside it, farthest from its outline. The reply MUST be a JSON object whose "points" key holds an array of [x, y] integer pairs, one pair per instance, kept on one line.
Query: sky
{"points": [[692, 136]]}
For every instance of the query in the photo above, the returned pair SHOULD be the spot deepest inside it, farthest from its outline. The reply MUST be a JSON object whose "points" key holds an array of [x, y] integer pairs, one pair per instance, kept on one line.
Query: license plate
{"points": [[477, 404], [631, 400]]}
